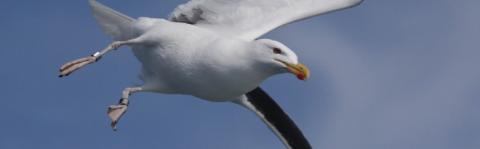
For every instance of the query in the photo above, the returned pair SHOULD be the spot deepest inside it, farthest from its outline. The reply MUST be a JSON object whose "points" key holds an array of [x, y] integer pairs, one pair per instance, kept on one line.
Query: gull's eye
{"points": [[277, 51]]}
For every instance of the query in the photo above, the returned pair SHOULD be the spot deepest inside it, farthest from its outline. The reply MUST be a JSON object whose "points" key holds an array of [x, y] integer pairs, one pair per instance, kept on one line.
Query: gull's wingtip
{"points": [[353, 3], [357, 2], [92, 2]]}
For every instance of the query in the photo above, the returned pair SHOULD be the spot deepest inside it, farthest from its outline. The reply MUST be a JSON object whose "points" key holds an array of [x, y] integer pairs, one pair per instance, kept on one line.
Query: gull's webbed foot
{"points": [[72, 66], [115, 112]]}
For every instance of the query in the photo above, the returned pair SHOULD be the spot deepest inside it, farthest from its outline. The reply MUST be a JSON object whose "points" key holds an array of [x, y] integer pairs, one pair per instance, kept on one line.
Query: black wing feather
{"points": [[274, 114]]}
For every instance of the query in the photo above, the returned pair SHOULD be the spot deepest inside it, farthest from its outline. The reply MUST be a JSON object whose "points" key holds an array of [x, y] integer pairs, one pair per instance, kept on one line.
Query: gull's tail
{"points": [[115, 24]]}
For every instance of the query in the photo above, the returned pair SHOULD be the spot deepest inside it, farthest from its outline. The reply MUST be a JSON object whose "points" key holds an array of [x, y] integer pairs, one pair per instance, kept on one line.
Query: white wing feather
{"points": [[250, 19]]}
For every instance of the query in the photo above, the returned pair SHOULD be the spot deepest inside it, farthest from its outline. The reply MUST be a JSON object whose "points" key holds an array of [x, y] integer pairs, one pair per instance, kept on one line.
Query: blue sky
{"points": [[387, 74]]}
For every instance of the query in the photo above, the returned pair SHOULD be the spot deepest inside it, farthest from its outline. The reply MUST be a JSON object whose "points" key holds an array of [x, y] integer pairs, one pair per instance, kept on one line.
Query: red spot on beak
{"points": [[301, 76]]}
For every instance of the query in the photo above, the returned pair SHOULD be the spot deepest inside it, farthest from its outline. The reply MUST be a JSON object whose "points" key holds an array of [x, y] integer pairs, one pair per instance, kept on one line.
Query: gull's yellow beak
{"points": [[300, 70]]}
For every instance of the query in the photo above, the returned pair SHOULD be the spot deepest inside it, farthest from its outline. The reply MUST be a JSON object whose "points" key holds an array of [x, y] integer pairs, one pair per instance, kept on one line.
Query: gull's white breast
{"points": [[184, 59]]}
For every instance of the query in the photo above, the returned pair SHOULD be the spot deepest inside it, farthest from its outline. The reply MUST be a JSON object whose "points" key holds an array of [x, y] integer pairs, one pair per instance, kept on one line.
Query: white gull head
{"points": [[280, 59]]}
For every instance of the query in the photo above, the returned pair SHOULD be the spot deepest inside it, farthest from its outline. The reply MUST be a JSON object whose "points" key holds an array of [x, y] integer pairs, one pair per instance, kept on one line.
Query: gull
{"points": [[210, 49]]}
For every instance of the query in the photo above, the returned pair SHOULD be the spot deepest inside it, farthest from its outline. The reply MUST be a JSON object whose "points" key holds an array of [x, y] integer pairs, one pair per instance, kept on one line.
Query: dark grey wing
{"points": [[278, 121]]}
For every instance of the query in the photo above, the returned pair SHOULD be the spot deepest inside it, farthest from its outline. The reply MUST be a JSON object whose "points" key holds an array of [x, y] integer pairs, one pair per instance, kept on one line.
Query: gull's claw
{"points": [[115, 112], [72, 66]]}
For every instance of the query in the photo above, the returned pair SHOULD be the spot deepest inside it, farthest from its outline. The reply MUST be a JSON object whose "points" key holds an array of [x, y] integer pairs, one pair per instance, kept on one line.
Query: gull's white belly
{"points": [[195, 62], [168, 72]]}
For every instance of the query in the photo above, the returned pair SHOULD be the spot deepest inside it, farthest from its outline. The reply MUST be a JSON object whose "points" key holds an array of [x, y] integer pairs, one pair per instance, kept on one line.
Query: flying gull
{"points": [[210, 49]]}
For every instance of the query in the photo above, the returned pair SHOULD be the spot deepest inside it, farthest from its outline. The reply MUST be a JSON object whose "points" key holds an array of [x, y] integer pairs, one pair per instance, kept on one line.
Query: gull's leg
{"points": [[72, 66], [115, 112]]}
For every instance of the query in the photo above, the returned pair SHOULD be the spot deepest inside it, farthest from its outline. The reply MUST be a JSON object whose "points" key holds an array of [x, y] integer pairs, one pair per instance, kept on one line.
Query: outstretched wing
{"points": [[250, 19], [277, 120]]}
